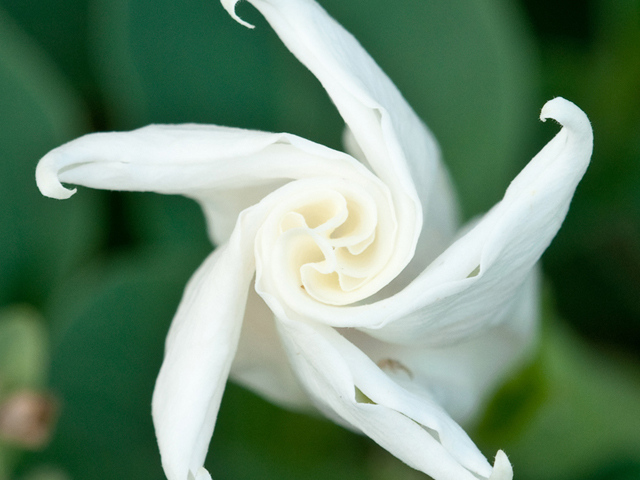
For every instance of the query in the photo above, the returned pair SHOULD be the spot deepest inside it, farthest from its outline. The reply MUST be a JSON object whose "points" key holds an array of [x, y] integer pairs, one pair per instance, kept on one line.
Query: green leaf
{"points": [[110, 321], [595, 260], [61, 29], [589, 421], [41, 239], [254, 439], [24, 350], [24, 364], [168, 62], [515, 404], [173, 221]]}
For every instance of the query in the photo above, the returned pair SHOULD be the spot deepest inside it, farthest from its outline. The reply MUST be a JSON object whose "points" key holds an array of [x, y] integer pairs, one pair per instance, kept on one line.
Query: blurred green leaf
{"points": [[110, 321], [595, 261], [514, 405], [168, 62], [45, 473], [170, 220], [40, 238], [589, 421], [61, 29], [254, 439], [467, 67], [24, 364], [24, 350]]}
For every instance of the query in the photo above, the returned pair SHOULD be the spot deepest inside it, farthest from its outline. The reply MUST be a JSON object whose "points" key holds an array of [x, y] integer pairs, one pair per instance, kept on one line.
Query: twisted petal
{"points": [[472, 285], [381, 126], [346, 385]]}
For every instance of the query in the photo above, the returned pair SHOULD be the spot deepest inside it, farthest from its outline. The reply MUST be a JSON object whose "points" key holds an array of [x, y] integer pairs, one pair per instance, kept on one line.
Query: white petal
{"points": [[202, 474], [204, 335], [440, 211], [149, 159], [225, 169], [200, 348], [502, 469], [411, 426], [462, 377], [261, 364], [504, 245], [395, 143]]}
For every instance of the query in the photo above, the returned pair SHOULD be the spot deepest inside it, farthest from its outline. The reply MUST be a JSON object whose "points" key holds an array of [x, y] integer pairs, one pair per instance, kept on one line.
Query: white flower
{"points": [[369, 303]]}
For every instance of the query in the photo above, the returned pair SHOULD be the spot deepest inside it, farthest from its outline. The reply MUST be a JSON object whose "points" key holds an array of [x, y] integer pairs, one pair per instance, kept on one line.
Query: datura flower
{"points": [[370, 304]]}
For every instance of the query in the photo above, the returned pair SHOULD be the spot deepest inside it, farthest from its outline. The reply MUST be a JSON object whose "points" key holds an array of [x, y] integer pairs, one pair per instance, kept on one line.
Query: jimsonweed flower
{"points": [[370, 303]]}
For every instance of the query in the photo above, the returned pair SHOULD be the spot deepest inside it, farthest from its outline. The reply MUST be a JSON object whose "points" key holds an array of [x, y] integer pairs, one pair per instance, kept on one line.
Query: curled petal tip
{"points": [[566, 113], [47, 180], [502, 469], [230, 7]]}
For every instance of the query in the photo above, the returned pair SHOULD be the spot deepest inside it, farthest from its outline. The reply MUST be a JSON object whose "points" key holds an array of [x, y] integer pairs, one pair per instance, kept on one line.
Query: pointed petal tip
{"points": [[230, 7], [566, 113], [203, 474], [47, 180], [502, 469]]}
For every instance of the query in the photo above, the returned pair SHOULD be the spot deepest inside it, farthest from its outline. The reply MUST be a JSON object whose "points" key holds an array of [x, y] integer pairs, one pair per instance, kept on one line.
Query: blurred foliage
{"points": [[107, 348], [106, 270], [591, 55], [24, 350], [573, 413], [24, 364], [590, 419], [41, 240], [61, 28]]}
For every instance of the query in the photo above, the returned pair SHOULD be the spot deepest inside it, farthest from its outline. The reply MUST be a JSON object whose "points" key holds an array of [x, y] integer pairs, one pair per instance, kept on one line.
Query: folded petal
{"points": [[224, 169], [200, 348], [348, 386], [462, 377], [261, 364], [473, 284], [204, 335]]}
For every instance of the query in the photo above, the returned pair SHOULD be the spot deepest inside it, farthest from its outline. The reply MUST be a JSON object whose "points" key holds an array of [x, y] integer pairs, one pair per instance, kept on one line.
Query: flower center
{"points": [[327, 241]]}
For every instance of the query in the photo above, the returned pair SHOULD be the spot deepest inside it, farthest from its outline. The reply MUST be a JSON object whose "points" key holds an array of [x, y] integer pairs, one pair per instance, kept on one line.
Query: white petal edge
{"points": [[202, 474], [230, 7]]}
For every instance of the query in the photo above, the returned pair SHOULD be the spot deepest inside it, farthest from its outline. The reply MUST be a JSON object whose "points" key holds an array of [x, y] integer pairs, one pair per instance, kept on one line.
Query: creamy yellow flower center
{"points": [[329, 239]]}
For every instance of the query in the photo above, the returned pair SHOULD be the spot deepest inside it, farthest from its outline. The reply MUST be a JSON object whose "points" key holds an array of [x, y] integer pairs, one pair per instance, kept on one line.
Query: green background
{"points": [[88, 286]]}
